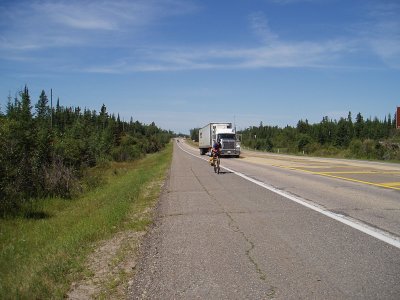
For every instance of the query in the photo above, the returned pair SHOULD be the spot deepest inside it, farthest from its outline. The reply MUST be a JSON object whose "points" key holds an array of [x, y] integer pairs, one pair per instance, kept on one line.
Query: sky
{"points": [[185, 63]]}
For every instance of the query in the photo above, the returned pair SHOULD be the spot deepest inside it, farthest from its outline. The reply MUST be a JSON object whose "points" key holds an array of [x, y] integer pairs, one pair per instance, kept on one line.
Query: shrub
{"points": [[312, 147], [368, 148], [60, 180], [303, 141], [356, 148]]}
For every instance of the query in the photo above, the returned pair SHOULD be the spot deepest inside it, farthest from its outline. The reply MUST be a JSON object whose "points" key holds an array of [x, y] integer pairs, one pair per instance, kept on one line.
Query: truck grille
{"points": [[228, 145]]}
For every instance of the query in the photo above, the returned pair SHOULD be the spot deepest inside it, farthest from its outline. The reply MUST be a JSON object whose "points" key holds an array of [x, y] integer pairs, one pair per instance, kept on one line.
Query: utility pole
{"points": [[51, 109]]}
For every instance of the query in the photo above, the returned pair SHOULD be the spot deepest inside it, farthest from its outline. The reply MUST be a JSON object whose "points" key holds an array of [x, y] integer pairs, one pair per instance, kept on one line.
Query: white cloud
{"points": [[272, 54], [295, 1], [260, 27], [113, 25], [381, 32], [43, 24], [111, 15]]}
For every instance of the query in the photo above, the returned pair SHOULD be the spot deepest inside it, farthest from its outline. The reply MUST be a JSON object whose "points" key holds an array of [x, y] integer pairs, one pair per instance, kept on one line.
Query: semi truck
{"points": [[222, 131]]}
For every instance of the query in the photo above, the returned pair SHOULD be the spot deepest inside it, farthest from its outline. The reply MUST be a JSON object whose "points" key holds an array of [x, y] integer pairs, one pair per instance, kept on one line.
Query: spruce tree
{"points": [[43, 147], [42, 107]]}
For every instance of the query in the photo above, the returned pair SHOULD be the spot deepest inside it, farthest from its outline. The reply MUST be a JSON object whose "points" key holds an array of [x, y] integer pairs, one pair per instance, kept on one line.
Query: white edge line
{"points": [[372, 231], [375, 232]]}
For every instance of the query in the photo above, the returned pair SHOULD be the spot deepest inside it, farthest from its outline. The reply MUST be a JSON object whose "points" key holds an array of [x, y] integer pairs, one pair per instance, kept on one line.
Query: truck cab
{"points": [[223, 132], [228, 143]]}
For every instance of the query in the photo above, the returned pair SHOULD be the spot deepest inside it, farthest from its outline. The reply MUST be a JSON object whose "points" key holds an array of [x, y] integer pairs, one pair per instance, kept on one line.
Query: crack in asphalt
{"points": [[232, 224]]}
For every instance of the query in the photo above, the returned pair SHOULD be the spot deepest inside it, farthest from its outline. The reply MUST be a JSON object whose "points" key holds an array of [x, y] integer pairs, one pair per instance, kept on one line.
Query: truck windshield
{"points": [[226, 136]]}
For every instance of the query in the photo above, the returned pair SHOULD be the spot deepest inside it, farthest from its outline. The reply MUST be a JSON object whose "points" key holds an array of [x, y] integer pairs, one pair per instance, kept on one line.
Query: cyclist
{"points": [[215, 151], [217, 148]]}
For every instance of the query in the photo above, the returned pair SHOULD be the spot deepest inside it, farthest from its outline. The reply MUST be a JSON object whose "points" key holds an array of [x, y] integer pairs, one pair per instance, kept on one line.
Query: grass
{"points": [[194, 144], [42, 255]]}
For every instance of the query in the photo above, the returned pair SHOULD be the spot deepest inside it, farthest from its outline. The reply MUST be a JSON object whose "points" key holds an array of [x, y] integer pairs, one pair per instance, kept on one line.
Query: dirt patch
{"points": [[113, 262], [110, 267]]}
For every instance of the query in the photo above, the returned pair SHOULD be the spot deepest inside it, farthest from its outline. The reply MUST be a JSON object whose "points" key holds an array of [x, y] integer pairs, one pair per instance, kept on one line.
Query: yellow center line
{"points": [[340, 177], [363, 172], [329, 167], [391, 184]]}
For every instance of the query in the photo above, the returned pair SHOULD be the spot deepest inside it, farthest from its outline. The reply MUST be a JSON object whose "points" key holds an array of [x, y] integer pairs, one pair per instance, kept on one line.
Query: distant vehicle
{"points": [[225, 133]]}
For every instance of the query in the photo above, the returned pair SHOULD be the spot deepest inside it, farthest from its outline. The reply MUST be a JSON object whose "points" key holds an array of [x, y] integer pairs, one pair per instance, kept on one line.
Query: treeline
{"points": [[360, 138], [194, 134], [44, 151]]}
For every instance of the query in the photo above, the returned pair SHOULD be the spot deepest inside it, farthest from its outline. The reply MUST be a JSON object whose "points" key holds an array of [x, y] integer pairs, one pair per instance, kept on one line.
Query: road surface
{"points": [[273, 228]]}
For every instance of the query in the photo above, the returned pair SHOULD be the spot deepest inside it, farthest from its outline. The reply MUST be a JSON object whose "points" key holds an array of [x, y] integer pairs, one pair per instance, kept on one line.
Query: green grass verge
{"points": [[193, 144], [41, 256]]}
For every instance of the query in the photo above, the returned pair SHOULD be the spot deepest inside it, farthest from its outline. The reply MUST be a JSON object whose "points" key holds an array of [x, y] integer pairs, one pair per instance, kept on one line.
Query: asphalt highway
{"points": [[273, 227]]}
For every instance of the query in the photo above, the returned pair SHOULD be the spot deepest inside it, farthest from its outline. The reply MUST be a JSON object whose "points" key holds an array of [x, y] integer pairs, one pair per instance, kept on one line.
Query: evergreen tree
{"points": [[103, 117], [343, 133], [359, 127], [303, 127], [41, 157], [42, 107]]}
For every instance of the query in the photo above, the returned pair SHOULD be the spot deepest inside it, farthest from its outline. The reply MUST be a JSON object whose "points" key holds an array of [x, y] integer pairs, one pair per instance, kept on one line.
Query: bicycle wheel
{"points": [[218, 163], [215, 165]]}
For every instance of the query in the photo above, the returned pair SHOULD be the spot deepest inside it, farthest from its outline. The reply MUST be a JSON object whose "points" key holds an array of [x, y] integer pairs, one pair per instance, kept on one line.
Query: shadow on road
{"points": [[224, 172]]}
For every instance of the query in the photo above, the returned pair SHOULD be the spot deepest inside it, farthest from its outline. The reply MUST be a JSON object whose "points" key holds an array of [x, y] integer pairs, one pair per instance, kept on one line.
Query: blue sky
{"points": [[184, 63]]}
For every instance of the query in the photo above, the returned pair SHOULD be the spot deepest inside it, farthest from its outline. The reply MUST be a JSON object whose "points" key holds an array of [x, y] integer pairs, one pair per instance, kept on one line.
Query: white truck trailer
{"points": [[225, 133]]}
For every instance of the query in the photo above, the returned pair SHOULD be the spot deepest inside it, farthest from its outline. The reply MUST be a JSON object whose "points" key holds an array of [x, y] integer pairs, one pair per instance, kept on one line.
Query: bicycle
{"points": [[216, 163]]}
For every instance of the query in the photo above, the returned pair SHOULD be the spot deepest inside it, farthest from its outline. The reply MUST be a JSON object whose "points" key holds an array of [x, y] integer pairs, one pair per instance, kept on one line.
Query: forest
{"points": [[360, 138], [46, 151], [347, 138]]}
